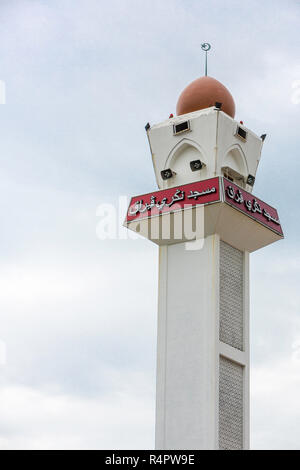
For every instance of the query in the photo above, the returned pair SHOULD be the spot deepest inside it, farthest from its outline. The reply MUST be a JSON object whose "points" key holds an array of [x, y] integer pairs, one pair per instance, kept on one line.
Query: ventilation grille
{"points": [[230, 405], [231, 296], [182, 127], [241, 133]]}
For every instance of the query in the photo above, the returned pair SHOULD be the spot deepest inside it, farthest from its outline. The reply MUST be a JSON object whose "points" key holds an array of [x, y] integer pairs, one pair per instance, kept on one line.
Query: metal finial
{"points": [[205, 47]]}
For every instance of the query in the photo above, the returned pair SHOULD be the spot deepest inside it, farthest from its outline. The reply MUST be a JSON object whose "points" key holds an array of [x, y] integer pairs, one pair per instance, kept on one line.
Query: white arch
{"points": [[235, 159], [182, 144], [179, 159]]}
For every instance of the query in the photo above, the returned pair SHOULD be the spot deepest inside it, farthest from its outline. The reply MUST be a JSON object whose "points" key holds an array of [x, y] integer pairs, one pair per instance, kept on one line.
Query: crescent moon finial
{"points": [[205, 46]]}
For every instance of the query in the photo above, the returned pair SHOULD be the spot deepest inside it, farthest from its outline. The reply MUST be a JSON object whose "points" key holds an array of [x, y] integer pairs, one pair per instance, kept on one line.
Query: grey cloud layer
{"points": [[79, 314]]}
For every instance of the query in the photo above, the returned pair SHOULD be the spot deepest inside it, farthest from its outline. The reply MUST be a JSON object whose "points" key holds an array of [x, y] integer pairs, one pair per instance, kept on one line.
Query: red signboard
{"points": [[251, 206], [173, 199], [202, 193]]}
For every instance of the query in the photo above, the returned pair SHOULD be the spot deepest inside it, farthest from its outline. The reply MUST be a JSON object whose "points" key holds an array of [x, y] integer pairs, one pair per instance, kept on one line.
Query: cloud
{"points": [[36, 419], [79, 314], [274, 306], [275, 409], [70, 318]]}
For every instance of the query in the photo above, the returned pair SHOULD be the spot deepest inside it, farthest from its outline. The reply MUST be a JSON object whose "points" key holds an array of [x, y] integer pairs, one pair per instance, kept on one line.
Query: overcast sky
{"points": [[78, 314]]}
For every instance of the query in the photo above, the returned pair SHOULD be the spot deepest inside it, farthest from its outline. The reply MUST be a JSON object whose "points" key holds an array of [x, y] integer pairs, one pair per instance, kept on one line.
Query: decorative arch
{"points": [[179, 159], [179, 147], [235, 163]]}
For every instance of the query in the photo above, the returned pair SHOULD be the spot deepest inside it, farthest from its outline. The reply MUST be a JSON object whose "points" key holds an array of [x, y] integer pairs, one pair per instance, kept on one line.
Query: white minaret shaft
{"points": [[205, 165], [202, 394]]}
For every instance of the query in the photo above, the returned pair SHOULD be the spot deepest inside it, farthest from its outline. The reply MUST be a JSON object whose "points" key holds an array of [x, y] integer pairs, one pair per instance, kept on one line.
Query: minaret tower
{"points": [[206, 221]]}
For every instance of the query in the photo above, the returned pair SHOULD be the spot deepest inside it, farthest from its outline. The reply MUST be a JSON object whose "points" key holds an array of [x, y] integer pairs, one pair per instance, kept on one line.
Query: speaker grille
{"points": [[182, 127], [230, 405], [231, 329], [240, 132]]}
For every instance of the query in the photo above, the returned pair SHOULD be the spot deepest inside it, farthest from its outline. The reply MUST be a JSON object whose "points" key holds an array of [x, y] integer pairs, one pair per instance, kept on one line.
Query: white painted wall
{"points": [[187, 353], [188, 348]]}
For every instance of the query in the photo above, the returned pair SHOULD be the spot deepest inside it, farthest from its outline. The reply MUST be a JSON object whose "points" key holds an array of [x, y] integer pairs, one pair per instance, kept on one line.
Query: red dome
{"points": [[203, 93]]}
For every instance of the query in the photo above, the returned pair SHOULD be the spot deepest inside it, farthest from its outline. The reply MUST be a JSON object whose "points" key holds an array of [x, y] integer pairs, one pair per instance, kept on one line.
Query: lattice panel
{"points": [[231, 296], [230, 405]]}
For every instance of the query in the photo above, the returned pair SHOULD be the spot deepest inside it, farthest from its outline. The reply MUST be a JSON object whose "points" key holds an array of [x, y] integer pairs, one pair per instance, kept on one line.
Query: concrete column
{"points": [[189, 351]]}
